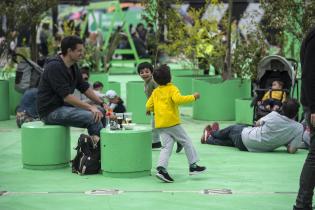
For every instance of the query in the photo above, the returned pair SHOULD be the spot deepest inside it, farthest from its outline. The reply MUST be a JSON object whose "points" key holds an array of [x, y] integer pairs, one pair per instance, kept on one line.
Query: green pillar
{"points": [[14, 96], [4, 102], [126, 153], [136, 100], [114, 86], [243, 111]]}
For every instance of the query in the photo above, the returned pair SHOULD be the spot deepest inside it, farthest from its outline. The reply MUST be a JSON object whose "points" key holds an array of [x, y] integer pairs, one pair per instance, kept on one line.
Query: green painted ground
{"points": [[252, 178]]}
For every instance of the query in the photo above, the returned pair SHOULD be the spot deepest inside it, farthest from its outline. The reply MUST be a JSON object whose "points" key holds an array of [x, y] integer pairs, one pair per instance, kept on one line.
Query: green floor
{"points": [[234, 180]]}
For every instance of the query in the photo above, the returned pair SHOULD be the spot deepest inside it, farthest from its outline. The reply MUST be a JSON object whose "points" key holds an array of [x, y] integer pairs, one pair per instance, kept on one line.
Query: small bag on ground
{"points": [[87, 160]]}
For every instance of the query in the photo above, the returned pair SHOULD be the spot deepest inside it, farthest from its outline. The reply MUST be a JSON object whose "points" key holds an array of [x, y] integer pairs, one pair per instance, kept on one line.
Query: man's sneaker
{"points": [[215, 127], [179, 147], [206, 133], [156, 145], [196, 170], [164, 176]]}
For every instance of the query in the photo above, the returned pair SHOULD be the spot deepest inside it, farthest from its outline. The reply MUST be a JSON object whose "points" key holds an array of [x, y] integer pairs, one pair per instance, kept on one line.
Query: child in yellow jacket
{"points": [[164, 102], [274, 98]]}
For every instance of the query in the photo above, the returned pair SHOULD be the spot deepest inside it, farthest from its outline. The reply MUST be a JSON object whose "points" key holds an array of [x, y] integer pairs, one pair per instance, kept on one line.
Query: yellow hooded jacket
{"points": [[164, 103]]}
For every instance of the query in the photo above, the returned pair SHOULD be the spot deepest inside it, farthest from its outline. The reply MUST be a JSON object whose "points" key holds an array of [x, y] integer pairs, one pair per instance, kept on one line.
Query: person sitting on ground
{"points": [[164, 102], [274, 98], [27, 110], [270, 132], [115, 102]]}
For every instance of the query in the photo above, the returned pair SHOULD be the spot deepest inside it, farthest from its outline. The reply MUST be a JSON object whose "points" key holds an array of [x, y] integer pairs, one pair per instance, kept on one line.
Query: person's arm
{"points": [[91, 95], [71, 99], [293, 146], [179, 99], [149, 105], [266, 96]]}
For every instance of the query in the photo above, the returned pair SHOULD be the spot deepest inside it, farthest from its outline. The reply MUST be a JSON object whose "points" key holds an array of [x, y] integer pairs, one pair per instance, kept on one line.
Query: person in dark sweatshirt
{"points": [[56, 103], [307, 179]]}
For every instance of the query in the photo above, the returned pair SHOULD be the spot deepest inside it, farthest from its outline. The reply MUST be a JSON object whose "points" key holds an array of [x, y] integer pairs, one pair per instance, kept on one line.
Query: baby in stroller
{"points": [[273, 98], [275, 83]]}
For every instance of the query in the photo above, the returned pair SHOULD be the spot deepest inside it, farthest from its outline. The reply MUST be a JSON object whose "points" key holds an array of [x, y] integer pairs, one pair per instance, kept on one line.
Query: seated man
{"points": [[270, 132], [56, 103]]}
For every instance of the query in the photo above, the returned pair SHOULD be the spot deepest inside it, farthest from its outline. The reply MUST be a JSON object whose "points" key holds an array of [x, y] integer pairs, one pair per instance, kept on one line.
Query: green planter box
{"points": [[178, 72], [184, 83], [14, 96], [136, 100], [243, 111], [4, 102], [112, 85], [217, 98], [101, 77]]}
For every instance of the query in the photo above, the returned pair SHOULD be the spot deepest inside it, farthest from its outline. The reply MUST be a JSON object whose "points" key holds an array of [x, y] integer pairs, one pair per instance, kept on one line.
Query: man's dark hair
{"points": [[144, 65], [290, 108], [85, 70], [162, 75], [70, 42], [98, 84]]}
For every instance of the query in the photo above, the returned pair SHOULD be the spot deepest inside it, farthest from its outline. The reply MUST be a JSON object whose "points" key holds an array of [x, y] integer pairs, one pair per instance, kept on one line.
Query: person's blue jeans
{"points": [[28, 103], [307, 178], [230, 136], [75, 117]]}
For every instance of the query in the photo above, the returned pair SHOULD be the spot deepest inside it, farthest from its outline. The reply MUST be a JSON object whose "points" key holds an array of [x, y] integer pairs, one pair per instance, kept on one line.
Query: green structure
{"points": [[45, 146], [126, 153], [136, 100], [107, 31], [4, 102], [243, 111]]}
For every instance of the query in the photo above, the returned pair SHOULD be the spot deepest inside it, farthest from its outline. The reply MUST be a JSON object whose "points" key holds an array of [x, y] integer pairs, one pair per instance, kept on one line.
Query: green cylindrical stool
{"points": [[126, 153], [4, 102], [14, 96], [45, 146], [136, 100]]}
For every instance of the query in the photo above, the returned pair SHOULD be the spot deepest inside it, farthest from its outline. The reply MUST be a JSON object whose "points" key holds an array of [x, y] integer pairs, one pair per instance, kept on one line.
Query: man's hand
{"points": [[97, 114], [313, 119]]}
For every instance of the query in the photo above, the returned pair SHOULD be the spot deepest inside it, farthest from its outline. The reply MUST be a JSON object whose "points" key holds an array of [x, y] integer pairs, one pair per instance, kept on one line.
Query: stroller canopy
{"points": [[275, 63]]}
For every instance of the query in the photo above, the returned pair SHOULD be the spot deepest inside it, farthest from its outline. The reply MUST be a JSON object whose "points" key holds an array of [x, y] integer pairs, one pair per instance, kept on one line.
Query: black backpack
{"points": [[87, 160]]}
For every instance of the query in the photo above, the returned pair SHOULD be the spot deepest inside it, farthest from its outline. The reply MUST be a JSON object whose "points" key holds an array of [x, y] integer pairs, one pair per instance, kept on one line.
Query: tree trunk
{"points": [[33, 43], [227, 72]]}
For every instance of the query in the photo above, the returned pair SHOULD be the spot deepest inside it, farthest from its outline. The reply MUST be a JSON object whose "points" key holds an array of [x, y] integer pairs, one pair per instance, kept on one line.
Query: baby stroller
{"points": [[273, 68]]}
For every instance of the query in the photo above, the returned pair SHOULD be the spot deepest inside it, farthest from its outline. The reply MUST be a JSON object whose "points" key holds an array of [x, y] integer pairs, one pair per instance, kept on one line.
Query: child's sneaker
{"points": [[179, 147], [195, 169], [156, 145], [215, 127], [206, 133], [164, 176]]}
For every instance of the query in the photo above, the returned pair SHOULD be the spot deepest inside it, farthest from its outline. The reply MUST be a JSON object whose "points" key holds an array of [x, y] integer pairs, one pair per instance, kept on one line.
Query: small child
{"points": [[164, 103], [97, 88], [274, 98], [145, 71], [115, 102]]}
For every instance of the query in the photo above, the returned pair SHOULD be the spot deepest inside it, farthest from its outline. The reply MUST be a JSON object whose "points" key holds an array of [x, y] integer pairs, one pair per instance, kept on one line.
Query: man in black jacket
{"points": [[56, 102], [307, 179]]}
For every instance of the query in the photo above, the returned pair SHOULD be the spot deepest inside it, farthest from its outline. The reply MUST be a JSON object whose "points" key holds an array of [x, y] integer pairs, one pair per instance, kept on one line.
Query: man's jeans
{"points": [[307, 179], [75, 117], [230, 136], [29, 103]]}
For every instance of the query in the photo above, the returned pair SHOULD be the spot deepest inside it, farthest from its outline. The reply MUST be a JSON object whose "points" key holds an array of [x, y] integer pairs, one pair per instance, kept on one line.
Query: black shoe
{"points": [[179, 148], [156, 145], [196, 170], [164, 176]]}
